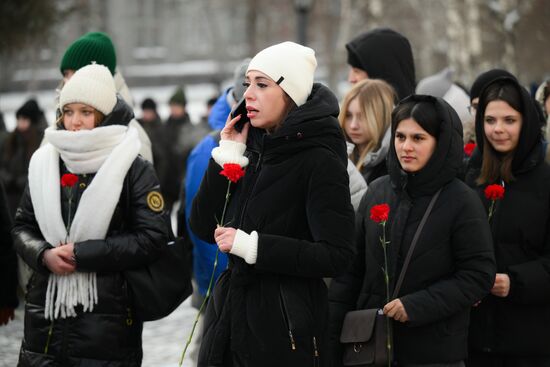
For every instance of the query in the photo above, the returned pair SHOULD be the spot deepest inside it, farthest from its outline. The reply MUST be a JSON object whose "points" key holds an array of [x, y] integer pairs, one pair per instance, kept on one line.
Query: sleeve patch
{"points": [[155, 201]]}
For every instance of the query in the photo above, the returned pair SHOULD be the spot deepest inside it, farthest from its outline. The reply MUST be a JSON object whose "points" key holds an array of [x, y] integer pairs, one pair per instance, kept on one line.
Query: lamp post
{"points": [[302, 8]]}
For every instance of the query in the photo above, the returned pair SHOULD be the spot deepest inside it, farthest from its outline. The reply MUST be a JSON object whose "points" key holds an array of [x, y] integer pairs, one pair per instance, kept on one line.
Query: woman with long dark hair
{"points": [[452, 265], [510, 326], [289, 222]]}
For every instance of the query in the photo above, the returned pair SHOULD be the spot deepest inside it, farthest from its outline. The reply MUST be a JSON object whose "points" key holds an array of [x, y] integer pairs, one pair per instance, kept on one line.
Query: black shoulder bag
{"points": [[159, 288], [365, 332]]}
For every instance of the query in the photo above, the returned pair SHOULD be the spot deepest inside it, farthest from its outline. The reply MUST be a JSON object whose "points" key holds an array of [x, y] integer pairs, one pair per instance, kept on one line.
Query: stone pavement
{"points": [[163, 340]]}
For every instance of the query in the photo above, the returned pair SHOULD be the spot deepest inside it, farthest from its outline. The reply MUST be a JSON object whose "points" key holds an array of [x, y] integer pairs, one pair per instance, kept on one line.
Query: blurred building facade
{"points": [[200, 41]]}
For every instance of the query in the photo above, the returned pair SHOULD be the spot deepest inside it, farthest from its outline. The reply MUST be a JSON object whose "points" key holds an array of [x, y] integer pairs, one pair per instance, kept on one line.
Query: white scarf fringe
{"points": [[107, 151]]}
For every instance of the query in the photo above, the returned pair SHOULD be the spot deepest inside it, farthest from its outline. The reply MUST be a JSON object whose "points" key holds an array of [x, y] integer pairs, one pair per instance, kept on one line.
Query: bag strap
{"points": [[413, 244]]}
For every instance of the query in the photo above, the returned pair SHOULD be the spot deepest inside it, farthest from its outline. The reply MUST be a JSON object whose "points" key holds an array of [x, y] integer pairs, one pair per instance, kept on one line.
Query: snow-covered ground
{"points": [[163, 340]]}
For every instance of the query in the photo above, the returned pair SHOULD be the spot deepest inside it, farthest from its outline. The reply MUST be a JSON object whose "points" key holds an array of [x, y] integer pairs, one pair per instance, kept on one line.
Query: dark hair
{"points": [[423, 112], [496, 165]]}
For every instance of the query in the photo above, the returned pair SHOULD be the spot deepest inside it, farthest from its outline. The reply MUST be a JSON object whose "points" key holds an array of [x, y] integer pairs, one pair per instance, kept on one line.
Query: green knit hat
{"points": [[93, 46], [178, 97]]}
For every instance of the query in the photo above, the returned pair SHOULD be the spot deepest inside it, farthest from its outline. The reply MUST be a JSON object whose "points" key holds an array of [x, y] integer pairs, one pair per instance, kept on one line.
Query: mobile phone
{"points": [[240, 109]]}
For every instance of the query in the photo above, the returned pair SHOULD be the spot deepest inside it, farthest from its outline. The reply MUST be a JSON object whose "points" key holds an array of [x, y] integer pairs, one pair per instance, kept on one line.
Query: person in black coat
{"points": [[74, 229], [289, 221], [8, 263], [510, 326], [17, 150], [452, 266], [382, 53]]}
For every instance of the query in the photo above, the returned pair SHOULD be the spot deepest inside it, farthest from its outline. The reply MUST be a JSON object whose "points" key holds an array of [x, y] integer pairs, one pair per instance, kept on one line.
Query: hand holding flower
{"points": [[225, 236], [501, 288], [396, 310]]}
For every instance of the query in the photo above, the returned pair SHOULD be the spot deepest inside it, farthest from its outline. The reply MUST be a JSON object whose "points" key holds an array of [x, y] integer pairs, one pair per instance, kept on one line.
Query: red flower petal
{"points": [[69, 179], [469, 149], [232, 171], [494, 192], [379, 213]]}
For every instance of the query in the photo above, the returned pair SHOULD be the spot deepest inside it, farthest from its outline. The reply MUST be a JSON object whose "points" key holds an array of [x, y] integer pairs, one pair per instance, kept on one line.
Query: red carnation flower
{"points": [[494, 192], [69, 180], [379, 213], [232, 171], [469, 149]]}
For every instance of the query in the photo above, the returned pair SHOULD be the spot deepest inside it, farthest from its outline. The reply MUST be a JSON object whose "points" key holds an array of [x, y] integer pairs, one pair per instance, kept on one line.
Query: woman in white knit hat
{"points": [[289, 222], [91, 210]]}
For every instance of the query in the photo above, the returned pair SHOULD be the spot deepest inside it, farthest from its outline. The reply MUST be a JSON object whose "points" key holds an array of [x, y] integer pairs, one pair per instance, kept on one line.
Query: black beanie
{"points": [[148, 104], [29, 110], [485, 78]]}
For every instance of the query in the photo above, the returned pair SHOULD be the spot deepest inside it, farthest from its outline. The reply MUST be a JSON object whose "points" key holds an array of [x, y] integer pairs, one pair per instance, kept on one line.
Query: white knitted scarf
{"points": [[107, 151]]}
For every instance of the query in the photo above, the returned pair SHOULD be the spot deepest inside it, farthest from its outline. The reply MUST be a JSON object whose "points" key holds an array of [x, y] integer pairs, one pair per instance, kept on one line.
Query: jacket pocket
{"points": [[286, 317]]}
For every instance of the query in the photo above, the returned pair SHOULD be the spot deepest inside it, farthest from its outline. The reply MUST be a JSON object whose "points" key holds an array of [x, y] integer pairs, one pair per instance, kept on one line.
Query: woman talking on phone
{"points": [[289, 222]]}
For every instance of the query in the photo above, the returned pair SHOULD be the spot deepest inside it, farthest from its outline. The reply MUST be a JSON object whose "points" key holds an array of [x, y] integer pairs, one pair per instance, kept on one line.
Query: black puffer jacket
{"points": [[451, 268], [295, 195], [518, 324], [8, 259], [110, 334]]}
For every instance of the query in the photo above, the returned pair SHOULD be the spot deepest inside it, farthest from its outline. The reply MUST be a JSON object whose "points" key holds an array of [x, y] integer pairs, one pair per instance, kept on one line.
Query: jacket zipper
{"points": [[286, 316], [315, 353], [129, 318]]}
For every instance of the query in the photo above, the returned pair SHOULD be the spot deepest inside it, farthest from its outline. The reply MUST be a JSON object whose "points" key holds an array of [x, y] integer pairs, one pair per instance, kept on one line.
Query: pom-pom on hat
{"points": [[93, 46], [92, 85], [290, 65]]}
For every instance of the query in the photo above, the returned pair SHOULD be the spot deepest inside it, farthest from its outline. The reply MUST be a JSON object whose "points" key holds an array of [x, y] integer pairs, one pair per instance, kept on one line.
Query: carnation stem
{"points": [[387, 281], [69, 215], [50, 330], [386, 276], [211, 282], [202, 306], [491, 209]]}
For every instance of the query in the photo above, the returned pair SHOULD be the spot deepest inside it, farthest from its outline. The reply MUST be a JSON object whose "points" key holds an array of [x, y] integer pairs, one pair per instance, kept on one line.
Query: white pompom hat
{"points": [[290, 65], [92, 85]]}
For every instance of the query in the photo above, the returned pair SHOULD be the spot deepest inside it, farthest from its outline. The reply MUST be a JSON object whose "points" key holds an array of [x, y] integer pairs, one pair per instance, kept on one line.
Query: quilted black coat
{"points": [[110, 334], [295, 194], [518, 324], [451, 268]]}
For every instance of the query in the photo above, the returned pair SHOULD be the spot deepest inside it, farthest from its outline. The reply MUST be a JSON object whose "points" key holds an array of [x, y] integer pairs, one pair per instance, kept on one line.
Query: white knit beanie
{"points": [[92, 85], [290, 65]]}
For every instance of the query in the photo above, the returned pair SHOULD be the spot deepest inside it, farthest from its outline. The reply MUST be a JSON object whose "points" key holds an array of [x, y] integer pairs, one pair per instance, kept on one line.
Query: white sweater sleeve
{"points": [[230, 152], [246, 246]]}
